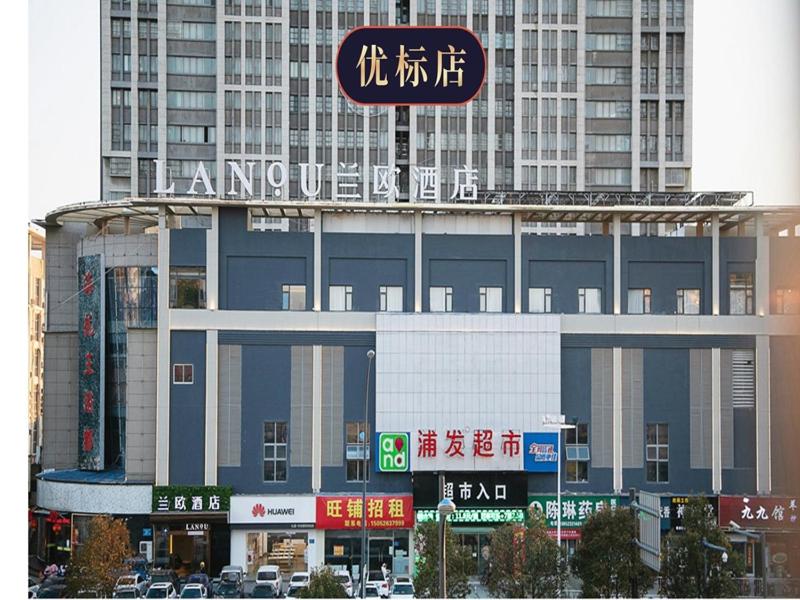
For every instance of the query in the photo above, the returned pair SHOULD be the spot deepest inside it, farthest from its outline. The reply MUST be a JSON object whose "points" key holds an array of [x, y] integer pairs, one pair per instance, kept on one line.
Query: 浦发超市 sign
{"points": [[574, 509], [393, 452], [472, 490], [383, 512], [756, 512], [541, 452], [293, 512], [189, 499], [403, 65], [91, 371]]}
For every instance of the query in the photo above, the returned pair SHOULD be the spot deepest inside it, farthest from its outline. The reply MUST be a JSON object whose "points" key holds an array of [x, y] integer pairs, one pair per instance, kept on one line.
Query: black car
{"points": [[228, 590], [57, 590], [263, 590]]}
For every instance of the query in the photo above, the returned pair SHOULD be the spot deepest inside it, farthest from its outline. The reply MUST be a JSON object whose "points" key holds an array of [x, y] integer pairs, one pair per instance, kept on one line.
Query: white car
{"points": [[270, 574], [131, 580], [372, 591], [194, 590], [380, 581], [298, 580], [344, 578], [403, 589], [162, 590]]}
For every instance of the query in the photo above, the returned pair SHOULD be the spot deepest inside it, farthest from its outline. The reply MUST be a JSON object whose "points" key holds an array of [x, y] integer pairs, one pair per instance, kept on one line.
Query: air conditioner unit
{"points": [[146, 548]]}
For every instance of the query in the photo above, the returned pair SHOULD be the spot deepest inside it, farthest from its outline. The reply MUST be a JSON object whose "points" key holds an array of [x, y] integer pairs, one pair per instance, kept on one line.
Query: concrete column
{"points": [[517, 263], [617, 265], [417, 262], [317, 260], [616, 427], [715, 264], [716, 421], [316, 419], [162, 353], [212, 262], [212, 366], [762, 269], [763, 432]]}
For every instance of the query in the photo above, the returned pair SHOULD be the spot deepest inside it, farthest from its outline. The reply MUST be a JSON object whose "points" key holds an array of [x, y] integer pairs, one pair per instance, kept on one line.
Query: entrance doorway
{"points": [[379, 553], [478, 545]]}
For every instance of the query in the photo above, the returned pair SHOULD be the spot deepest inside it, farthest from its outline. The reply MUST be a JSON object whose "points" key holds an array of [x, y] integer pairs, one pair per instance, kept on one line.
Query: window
{"points": [[275, 445], [340, 297], [539, 300], [576, 445], [688, 302], [37, 290], [183, 373], [441, 299], [38, 325], [187, 287], [491, 299], [589, 300], [639, 301], [657, 452], [787, 301], [391, 298], [294, 297], [355, 435], [740, 289]]}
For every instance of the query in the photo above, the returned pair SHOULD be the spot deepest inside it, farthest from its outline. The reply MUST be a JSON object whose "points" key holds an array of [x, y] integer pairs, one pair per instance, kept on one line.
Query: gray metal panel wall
{"points": [[726, 407], [229, 407], [301, 407], [140, 417], [332, 405], [60, 408], [632, 409], [602, 443], [700, 408]]}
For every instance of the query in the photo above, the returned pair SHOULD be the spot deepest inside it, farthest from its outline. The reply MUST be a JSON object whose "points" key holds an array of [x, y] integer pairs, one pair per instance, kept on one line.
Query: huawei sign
{"points": [[298, 512], [258, 510]]}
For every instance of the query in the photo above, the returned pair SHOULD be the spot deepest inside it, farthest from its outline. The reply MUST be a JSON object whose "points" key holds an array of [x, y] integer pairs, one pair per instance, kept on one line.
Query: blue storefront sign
{"points": [[540, 452]]}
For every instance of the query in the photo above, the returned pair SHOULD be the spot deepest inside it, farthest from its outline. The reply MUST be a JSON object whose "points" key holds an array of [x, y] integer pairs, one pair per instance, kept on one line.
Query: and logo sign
{"points": [[402, 65], [393, 453], [189, 499], [383, 512], [755, 512], [541, 452], [472, 490], [574, 509], [293, 512]]}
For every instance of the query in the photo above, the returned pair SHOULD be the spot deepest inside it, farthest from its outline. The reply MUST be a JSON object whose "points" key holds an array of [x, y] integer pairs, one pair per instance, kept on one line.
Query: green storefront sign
{"points": [[574, 509], [475, 516], [191, 499]]}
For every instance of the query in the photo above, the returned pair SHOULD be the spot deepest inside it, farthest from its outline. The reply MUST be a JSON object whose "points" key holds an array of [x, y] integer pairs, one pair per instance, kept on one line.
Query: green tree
{"points": [[323, 584], [525, 561], [688, 569], [100, 558], [607, 560], [459, 563]]}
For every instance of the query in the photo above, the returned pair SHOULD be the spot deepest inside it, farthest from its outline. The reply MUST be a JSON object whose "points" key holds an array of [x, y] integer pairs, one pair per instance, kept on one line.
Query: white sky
{"points": [[746, 100]]}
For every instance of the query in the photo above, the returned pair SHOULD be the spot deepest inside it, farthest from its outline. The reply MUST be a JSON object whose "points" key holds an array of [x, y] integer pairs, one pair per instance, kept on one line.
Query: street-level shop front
{"points": [[190, 527], [276, 530], [390, 519]]}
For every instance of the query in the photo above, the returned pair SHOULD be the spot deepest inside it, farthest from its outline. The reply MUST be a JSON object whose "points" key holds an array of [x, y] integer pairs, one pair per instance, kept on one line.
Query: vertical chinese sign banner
{"points": [[91, 374]]}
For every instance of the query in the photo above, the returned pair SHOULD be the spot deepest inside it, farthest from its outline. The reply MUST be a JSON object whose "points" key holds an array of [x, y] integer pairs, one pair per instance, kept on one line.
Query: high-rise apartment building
{"points": [[579, 95], [36, 315]]}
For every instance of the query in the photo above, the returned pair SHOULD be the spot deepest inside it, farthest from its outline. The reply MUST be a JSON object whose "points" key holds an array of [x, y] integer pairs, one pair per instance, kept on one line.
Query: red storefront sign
{"points": [[383, 512], [755, 512]]}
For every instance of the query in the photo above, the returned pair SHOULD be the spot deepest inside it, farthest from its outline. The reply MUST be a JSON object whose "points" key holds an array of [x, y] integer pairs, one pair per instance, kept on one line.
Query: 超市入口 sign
{"points": [[484, 489], [274, 511]]}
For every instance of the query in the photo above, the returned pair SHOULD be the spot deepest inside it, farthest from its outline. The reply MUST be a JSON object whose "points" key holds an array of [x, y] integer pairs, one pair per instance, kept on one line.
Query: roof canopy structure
{"points": [[682, 208]]}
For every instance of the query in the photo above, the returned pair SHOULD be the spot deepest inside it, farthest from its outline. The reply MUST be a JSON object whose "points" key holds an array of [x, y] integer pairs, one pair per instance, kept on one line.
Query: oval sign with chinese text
{"points": [[405, 65]]}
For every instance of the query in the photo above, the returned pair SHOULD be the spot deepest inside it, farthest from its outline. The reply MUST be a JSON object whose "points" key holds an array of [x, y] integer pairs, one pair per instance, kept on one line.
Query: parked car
{"points": [[164, 576], [233, 575], [194, 590], [380, 581], [372, 591], [202, 579], [343, 577], [403, 589], [130, 592], [135, 580], [270, 574], [298, 580], [163, 589], [57, 590], [264, 590], [228, 589]]}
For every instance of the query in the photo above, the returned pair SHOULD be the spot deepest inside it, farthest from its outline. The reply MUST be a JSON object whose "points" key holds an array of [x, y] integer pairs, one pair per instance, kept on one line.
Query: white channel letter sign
{"points": [[349, 177], [275, 510]]}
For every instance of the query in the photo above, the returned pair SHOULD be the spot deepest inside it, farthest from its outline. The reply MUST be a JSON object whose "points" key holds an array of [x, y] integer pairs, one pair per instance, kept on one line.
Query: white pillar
{"points": [[715, 264], [316, 419], [417, 262], [162, 353], [716, 421], [762, 269], [317, 260], [212, 365], [617, 265], [212, 262], [763, 430], [517, 263], [616, 427]]}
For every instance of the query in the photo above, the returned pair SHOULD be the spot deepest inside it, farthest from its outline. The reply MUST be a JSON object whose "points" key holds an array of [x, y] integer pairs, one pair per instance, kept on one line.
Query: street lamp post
{"points": [[364, 546], [706, 547], [445, 508]]}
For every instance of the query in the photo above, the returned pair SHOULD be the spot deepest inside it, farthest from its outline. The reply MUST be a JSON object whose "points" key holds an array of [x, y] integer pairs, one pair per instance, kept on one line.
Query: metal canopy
{"points": [[732, 208]]}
